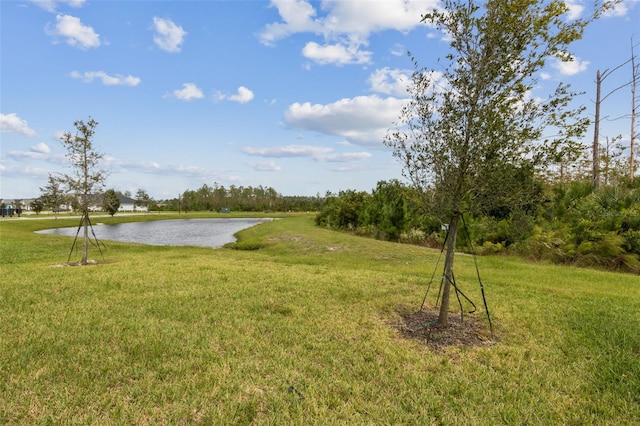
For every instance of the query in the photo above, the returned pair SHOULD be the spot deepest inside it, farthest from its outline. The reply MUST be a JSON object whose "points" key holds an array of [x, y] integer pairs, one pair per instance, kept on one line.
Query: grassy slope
{"points": [[298, 332]]}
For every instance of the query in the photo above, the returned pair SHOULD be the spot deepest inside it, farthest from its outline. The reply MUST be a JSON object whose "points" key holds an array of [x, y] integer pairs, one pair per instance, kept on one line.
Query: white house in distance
{"points": [[127, 204]]}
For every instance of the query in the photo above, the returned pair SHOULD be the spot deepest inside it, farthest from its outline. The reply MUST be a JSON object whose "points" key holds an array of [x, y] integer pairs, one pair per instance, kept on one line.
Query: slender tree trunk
{"points": [[443, 318], [85, 240], [85, 208]]}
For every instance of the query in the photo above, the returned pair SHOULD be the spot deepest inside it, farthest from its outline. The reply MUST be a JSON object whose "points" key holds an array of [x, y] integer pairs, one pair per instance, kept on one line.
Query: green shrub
{"points": [[413, 236], [248, 246], [607, 252], [632, 241], [546, 244], [491, 248]]}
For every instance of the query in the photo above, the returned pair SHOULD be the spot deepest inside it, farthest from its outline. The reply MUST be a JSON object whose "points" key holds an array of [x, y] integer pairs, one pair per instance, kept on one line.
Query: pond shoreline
{"points": [[200, 232]]}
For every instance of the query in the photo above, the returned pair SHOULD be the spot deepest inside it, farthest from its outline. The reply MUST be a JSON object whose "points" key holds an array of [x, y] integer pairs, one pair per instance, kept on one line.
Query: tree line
{"points": [[239, 198], [216, 198], [563, 222]]}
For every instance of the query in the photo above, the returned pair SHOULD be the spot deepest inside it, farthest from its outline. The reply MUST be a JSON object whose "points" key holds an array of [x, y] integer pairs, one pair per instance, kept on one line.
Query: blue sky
{"points": [[294, 95]]}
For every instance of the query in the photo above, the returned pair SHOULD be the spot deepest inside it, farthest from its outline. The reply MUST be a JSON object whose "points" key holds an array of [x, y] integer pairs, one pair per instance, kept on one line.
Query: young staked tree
{"points": [[87, 177], [472, 134]]}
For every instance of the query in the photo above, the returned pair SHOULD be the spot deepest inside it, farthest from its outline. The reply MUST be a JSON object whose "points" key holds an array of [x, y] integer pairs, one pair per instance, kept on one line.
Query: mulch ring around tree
{"points": [[422, 326]]}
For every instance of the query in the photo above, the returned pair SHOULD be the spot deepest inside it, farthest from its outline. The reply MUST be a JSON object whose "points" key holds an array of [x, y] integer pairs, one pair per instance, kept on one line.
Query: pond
{"points": [[213, 233]]}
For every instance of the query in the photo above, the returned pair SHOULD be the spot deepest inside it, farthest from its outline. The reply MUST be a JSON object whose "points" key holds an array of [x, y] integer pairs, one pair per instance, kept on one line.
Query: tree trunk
{"points": [[85, 240], [634, 83], [443, 318], [596, 135]]}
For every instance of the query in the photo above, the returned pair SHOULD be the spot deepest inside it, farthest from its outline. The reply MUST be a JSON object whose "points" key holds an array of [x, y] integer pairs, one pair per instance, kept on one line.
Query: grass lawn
{"points": [[303, 330]]}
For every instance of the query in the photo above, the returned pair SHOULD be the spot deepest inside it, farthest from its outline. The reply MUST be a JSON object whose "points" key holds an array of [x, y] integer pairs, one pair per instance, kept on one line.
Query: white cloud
{"points": [[169, 36], [11, 123], [24, 172], [348, 168], [175, 172], [390, 81], [189, 170], [400, 15], [298, 16], [76, 34], [363, 120], [572, 67], [619, 9], [345, 25], [243, 96], [38, 153], [398, 50], [265, 166], [287, 151], [318, 153], [29, 155], [42, 148], [345, 157], [188, 92], [345, 17], [338, 54], [117, 164], [107, 80], [50, 5], [575, 9]]}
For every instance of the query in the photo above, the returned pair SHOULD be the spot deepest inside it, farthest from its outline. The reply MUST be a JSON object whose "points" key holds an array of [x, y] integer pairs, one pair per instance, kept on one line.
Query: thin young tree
{"points": [[87, 176], [37, 205], [53, 195], [143, 199], [472, 134]]}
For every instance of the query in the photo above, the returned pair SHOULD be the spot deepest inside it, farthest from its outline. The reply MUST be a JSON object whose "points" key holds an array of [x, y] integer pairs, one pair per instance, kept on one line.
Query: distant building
{"points": [[127, 204], [22, 203]]}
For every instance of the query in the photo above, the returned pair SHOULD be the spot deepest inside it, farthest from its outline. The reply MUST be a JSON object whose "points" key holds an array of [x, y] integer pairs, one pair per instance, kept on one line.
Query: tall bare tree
{"points": [[87, 176], [635, 107], [596, 148], [472, 134]]}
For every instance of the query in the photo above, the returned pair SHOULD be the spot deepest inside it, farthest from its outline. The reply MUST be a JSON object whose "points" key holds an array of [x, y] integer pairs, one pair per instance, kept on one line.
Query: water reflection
{"points": [[213, 233]]}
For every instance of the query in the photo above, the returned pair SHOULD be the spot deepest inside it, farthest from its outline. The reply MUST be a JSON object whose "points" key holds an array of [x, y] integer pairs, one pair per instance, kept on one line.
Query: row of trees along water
{"points": [[206, 198], [239, 198]]}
